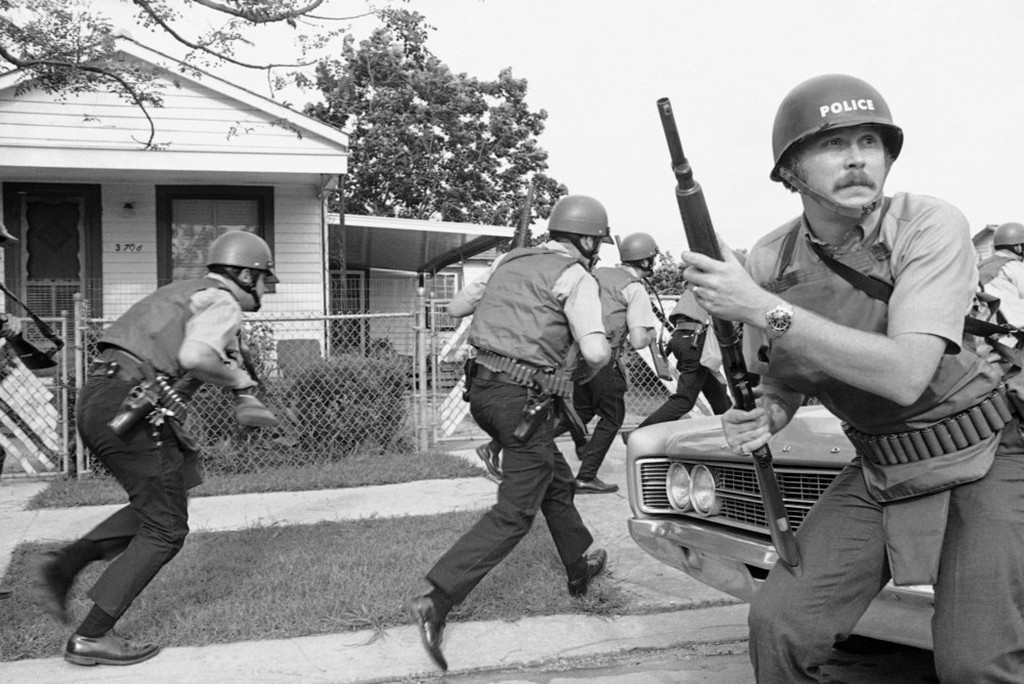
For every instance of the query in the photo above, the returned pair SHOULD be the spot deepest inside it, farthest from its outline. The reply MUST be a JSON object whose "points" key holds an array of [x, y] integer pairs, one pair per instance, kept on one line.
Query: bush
{"points": [[350, 403]]}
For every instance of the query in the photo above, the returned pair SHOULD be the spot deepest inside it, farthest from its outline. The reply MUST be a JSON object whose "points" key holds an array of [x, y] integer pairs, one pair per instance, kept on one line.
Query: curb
{"points": [[398, 654]]}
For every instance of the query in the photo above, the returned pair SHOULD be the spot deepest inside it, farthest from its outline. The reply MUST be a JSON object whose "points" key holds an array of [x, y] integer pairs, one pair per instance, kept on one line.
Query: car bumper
{"points": [[734, 563]]}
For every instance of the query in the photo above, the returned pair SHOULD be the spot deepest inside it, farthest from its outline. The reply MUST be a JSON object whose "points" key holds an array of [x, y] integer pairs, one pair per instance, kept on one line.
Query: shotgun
{"points": [[700, 234]]}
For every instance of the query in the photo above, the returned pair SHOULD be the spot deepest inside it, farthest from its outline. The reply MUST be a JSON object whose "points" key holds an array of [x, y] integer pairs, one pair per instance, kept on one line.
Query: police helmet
{"points": [[242, 249], [1008, 235], [580, 215], [826, 103], [636, 247]]}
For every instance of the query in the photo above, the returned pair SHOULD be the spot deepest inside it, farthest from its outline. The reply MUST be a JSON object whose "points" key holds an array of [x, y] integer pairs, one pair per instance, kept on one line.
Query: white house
{"points": [[97, 213]]}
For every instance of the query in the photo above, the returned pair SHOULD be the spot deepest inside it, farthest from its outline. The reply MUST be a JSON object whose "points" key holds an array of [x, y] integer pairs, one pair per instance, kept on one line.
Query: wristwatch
{"points": [[778, 320]]}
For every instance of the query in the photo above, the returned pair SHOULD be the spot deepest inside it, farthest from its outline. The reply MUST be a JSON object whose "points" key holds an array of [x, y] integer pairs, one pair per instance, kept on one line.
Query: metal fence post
{"points": [[422, 441], [80, 323]]}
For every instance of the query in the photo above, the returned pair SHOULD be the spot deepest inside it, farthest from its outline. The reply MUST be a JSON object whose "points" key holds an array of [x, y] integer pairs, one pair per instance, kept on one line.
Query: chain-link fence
{"points": [[339, 384]]}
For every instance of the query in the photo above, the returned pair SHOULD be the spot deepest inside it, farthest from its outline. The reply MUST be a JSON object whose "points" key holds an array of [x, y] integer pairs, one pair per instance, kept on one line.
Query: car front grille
{"points": [[736, 485]]}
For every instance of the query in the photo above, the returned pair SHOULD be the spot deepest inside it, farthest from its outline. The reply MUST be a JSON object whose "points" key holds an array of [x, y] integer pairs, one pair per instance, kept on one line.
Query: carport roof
{"points": [[414, 245]]}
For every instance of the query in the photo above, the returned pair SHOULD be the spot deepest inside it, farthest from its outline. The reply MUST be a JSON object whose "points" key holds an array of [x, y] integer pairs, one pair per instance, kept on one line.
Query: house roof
{"points": [[207, 124], [413, 245]]}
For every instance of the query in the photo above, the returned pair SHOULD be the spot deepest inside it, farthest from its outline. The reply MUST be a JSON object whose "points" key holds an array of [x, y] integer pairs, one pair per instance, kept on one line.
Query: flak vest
{"points": [[153, 329], [518, 316], [611, 282], [915, 491]]}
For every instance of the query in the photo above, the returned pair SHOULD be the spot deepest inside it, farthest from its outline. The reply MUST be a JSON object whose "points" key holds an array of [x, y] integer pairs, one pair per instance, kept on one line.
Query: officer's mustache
{"points": [[855, 178]]}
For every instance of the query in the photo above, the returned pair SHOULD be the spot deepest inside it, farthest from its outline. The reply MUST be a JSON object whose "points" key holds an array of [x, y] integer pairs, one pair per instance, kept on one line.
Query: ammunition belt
{"points": [[491, 366], [967, 428]]}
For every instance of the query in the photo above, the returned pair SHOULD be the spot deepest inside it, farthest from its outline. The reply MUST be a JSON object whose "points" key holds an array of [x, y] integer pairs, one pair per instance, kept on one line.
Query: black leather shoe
{"points": [[49, 586], [596, 561], [431, 625], [491, 462], [109, 649], [595, 486]]}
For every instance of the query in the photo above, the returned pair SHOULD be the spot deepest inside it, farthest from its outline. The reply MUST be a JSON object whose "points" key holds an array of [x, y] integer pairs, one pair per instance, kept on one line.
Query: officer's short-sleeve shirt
{"points": [[215, 321], [933, 267], [639, 313]]}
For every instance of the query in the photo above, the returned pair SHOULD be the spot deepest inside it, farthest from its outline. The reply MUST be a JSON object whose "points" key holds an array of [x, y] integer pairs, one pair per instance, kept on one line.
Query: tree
{"points": [[668, 275], [428, 143], [66, 46]]}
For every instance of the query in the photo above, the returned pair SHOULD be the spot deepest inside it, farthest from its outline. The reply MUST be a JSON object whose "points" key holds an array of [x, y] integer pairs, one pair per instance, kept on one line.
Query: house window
{"points": [[441, 287], [189, 218]]}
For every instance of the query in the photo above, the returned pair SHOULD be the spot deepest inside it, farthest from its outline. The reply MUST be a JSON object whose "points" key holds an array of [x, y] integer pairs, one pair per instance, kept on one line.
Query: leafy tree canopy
{"points": [[65, 46], [428, 143]]}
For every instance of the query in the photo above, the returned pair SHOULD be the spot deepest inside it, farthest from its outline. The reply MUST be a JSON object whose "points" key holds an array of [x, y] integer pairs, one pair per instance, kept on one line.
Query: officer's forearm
{"points": [[207, 365]]}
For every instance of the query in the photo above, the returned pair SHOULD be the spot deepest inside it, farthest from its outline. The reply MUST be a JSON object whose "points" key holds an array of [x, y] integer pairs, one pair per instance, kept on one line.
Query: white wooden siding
{"points": [[193, 118]]}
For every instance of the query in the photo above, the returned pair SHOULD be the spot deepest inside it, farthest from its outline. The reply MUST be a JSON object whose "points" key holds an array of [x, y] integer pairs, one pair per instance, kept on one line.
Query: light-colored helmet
{"points": [[1008, 235], [580, 215], [637, 246], [826, 103], [242, 249]]}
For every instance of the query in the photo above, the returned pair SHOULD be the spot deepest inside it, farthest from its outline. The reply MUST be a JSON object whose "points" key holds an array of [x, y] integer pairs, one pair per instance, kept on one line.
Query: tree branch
{"points": [[146, 7], [259, 17], [137, 98]]}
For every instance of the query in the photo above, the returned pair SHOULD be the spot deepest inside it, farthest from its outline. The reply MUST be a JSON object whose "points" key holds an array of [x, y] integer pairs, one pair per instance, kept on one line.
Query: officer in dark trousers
{"points": [[687, 344], [527, 311], [187, 328], [628, 319]]}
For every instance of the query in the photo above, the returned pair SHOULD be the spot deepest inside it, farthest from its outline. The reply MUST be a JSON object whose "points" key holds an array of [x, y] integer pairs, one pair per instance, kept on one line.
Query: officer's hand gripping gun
{"points": [[700, 234]]}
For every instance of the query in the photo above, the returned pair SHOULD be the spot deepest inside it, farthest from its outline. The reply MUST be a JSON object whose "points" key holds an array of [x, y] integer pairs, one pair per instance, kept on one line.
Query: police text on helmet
{"points": [[846, 106]]}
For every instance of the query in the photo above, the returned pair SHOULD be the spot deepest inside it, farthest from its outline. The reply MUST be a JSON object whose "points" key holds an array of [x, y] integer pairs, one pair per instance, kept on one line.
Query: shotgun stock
{"points": [[700, 234]]}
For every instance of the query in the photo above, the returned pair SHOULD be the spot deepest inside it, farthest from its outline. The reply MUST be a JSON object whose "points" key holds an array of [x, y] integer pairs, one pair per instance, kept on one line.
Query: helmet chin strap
{"points": [[828, 203], [249, 289], [577, 241]]}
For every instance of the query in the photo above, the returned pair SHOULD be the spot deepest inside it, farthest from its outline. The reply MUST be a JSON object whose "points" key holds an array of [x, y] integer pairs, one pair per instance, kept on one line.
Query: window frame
{"points": [[166, 194]]}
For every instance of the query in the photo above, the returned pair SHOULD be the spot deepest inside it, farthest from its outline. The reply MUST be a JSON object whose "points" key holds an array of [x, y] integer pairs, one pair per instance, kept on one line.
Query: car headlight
{"points": [[677, 486], [702, 491]]}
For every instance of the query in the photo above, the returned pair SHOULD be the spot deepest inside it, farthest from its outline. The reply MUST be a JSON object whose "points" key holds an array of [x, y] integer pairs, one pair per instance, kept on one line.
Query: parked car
{"points": [[696, 506]]}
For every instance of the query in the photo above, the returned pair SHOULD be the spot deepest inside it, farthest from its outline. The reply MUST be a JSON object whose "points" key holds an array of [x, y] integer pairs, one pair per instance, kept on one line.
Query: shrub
{"points": [[350, 403]]}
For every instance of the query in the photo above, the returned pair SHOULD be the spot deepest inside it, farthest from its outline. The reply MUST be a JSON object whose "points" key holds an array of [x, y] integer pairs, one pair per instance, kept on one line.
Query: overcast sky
{"points": [[951, 72]]}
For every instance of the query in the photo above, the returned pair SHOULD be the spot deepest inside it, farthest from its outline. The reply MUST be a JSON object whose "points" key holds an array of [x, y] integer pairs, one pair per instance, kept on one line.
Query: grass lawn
{"points": [[280, 582], [358, 470]]}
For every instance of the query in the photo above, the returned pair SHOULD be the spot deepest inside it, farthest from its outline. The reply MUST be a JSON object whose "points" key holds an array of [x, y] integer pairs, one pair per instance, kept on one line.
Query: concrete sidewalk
{"points": [[397, 653]]}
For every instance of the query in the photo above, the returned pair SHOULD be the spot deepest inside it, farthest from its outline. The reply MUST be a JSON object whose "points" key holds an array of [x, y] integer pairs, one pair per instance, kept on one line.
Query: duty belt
{"points": [[491, 366], [967, 428], [114, 362], [687, 328]]}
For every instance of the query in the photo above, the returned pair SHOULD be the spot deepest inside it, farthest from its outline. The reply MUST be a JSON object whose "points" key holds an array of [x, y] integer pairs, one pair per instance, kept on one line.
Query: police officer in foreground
{"points": [[8, 326], [185, 333], [528, 309], [1002, 274], [934, 493], [628, 319], [690, 329]]}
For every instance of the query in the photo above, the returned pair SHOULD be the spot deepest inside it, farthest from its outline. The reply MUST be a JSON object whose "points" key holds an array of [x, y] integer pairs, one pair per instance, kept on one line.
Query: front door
{"points": [[56, 224]]}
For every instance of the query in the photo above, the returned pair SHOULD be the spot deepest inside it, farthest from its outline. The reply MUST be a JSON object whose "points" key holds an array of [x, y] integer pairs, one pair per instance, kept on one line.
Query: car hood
{"points": [[814, 437]]}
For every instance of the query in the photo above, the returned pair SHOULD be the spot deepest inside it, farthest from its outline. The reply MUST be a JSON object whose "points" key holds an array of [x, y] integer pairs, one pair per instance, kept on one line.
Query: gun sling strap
{"points": [[491, 366]]}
